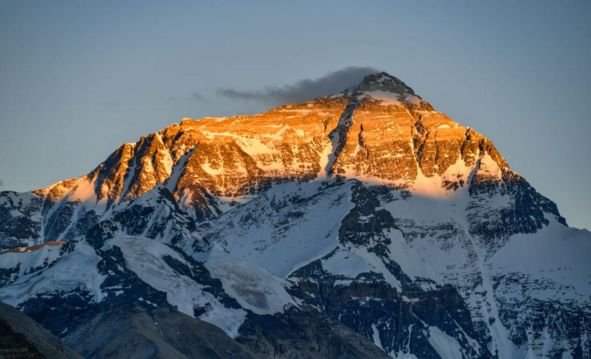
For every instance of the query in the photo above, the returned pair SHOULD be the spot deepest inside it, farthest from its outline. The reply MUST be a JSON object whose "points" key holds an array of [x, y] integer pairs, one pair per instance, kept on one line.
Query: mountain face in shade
{"points": [[22, 337], [365, 223]]}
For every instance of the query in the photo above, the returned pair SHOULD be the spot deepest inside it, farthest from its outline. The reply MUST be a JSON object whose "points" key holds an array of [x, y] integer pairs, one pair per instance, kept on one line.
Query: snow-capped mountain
{"points": [[313, 229]]}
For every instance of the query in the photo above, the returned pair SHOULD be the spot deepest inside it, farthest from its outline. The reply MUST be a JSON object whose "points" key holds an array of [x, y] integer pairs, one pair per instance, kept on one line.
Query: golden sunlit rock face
{"points": [[238, 155], [394, 138]]}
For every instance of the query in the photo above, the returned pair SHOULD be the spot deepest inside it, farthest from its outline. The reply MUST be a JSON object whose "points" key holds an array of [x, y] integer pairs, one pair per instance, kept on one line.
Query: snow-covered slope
{"points": [[367, 208]]}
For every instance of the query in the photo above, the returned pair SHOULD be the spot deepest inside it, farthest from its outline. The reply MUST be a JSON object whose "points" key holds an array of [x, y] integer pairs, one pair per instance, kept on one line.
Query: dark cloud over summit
{"points": [[305, 89]]}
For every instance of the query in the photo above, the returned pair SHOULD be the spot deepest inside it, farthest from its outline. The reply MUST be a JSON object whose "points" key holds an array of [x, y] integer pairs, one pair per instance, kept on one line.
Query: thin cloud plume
{"points": [[303, 90], [195, 96], [198, 97]]}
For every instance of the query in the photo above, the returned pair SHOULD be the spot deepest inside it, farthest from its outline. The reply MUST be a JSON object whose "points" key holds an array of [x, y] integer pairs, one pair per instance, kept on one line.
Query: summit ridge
{"points": [[385, 82]]}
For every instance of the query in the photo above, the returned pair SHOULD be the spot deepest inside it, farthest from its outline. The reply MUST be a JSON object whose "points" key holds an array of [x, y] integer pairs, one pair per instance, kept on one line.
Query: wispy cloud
{"points": [[303, 90], [195, 96]]}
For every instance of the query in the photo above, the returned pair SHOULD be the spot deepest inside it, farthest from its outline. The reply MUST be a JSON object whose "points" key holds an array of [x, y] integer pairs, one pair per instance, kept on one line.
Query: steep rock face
{"points": [[226, 156], [367, 208], [19, 218], [490, 217], [379, 299], [240, 155]]}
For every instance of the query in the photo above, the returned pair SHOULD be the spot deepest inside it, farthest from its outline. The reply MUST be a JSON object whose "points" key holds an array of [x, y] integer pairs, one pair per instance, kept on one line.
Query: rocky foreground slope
{"points": [[362, 224], [22, 337]]}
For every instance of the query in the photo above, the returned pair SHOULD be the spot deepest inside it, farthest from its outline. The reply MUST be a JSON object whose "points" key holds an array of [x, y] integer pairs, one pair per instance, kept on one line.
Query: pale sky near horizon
{"points": [[78, 78]]}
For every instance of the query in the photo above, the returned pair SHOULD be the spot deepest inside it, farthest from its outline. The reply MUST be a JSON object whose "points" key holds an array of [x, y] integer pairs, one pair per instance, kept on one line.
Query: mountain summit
{"points": [[365, 222], [378, 130], [383, 81]]}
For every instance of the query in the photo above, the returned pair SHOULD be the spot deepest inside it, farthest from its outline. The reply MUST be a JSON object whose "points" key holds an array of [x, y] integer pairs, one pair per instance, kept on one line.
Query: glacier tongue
{"points": [[254, 288]]}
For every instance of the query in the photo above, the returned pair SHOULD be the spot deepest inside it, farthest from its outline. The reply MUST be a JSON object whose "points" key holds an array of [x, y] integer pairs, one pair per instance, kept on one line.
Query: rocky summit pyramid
{"points": [[363, 224]]}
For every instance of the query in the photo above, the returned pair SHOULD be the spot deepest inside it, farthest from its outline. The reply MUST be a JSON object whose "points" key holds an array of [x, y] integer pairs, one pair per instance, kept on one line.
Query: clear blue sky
{"points": [[78, 78]]}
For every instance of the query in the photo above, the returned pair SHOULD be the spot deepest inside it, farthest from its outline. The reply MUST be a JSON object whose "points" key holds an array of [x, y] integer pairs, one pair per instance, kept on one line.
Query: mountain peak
{"points": [[359, 203], [383, 81]]}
